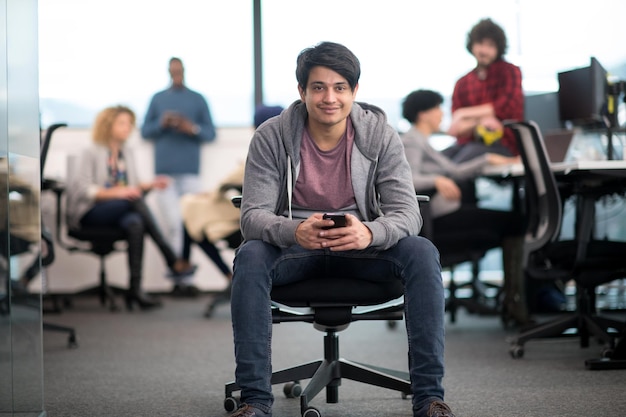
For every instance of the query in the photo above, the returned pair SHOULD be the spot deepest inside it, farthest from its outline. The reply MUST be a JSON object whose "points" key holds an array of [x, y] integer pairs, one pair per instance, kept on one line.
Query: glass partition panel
{"points": [[21, 364]]}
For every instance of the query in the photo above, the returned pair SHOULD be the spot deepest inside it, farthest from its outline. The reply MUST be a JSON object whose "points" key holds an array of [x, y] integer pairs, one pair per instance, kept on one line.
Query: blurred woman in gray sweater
{"points": [[105, 192]]}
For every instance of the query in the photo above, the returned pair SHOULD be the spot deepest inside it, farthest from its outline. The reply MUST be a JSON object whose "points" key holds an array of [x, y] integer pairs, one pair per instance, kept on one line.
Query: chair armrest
{"points": [[236, 201], [427, 217]]}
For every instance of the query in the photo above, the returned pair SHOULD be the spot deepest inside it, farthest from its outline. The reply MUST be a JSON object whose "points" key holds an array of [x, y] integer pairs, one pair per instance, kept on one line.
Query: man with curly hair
{"points": [[485, 96]]}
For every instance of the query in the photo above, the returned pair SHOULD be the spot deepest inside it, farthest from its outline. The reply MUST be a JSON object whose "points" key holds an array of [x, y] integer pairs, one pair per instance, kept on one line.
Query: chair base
{"points": [[105, 292], [617, 359], [327, 373], [220, 298], [72, 339], [479, 301], [586, 325]]}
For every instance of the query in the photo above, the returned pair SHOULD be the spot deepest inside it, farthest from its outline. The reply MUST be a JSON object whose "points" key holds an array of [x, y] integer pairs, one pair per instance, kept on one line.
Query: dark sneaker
{"points": [[435, 409], [181, 268], [182, 290], [248, 411]]}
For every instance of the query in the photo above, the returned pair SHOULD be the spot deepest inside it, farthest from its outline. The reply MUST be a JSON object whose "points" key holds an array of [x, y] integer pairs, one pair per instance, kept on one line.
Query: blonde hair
{"points": [[104, 122]]}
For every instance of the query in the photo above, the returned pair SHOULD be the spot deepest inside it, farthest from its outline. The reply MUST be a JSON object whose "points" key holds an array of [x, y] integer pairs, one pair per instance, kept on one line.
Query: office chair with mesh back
{"points": [[547, 258], [46, 238], [332, 308], [331, 304], [72, 338], [100, 242], [465, 246]]}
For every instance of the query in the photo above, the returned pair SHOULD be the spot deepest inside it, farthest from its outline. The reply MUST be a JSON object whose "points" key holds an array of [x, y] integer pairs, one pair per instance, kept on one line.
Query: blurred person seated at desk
{"points": [[105, 192], [211, 216], [437, 175], [485, 96]]}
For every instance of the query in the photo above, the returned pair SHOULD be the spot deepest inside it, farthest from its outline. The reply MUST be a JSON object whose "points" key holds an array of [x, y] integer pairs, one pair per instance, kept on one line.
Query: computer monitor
{"points": [[543, 109], [582, 95]]}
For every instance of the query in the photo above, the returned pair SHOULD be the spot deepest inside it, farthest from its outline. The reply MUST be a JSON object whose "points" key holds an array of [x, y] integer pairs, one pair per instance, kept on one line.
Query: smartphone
{"points": [[338, 218]]}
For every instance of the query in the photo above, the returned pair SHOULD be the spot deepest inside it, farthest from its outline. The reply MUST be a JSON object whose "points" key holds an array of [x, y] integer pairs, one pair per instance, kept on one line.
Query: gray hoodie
{"points": [[381, 178]]}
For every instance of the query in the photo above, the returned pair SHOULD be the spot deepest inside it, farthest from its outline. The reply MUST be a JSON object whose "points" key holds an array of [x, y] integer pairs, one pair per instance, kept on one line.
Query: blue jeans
{"points": [[258, 266], [168, 201]]}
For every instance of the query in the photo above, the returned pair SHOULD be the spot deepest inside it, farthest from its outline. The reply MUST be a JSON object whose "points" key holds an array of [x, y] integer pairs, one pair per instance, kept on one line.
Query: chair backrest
{"points": [[45, 144], [543, 200], [100, 241]]}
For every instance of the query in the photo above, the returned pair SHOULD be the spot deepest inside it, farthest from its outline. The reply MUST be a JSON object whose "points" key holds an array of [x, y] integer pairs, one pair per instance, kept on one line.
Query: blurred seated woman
{"points": [[105, 193]]}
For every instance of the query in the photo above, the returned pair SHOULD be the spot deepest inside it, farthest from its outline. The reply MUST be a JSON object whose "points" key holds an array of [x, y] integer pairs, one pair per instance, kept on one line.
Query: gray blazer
{"points": [[87, 175]]}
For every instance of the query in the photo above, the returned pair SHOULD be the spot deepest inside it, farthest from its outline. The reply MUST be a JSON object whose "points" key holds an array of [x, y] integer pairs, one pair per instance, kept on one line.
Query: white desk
{"points": [[587, 180], [608, 168]]}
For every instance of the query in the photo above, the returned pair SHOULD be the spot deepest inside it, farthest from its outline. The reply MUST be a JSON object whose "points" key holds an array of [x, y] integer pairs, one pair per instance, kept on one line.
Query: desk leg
{"points": [[585, 217]]}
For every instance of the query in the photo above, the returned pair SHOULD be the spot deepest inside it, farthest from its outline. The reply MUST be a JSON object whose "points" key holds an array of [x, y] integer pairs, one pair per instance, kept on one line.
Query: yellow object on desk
{"points": [[489, 137]]}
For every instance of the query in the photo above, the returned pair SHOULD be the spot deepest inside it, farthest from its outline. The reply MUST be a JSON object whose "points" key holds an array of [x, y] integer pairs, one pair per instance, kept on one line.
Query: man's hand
{"points": [[170, 119], [465, 119], [491, 123], [496, 159], [311, 234], [447, 188], [187, 127], [179, 122]]}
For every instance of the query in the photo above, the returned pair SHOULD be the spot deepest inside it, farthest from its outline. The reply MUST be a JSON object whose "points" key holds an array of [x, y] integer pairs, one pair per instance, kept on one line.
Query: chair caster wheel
{"points": [[292, 389], [607, 353], [72, 342], [392, 324], [404, 395], [231, 404], [209, 311], [311, 412], [516, 351]]}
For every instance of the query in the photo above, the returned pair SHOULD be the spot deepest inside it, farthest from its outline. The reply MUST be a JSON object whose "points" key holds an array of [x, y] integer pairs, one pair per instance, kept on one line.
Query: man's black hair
{"points": [[330, 55], [419, 101]]}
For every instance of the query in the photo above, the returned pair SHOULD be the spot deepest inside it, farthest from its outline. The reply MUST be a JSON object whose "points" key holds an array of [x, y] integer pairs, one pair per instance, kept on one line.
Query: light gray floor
{"points": [[174, 362]]}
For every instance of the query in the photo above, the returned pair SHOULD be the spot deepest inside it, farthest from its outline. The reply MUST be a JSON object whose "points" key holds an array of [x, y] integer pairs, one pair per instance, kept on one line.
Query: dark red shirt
{"points": [[502, 87]]}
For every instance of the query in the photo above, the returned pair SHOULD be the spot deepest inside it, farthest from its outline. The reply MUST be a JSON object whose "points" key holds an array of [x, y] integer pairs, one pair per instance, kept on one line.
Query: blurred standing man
{"points": [[484, 97], [178, 122]]}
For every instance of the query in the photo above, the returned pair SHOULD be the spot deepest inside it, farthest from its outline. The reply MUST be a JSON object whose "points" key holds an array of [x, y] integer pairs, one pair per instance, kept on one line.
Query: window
{"points": [[95, 53]]}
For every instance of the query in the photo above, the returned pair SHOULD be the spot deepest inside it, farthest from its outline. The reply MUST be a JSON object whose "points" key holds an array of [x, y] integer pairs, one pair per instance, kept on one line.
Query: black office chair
{"points": [[331, 305], [72, 338], [48, 243], [332, 308], [100, 242], [462, 246], [547, 258]]}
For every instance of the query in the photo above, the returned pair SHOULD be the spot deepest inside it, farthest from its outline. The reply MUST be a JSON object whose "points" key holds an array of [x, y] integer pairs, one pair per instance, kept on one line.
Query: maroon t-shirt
{"points": [[324, 182]]}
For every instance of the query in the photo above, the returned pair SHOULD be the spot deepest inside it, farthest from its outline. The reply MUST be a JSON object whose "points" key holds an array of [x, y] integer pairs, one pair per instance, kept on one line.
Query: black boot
{"points": [[143, 300], [134, 295]]}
